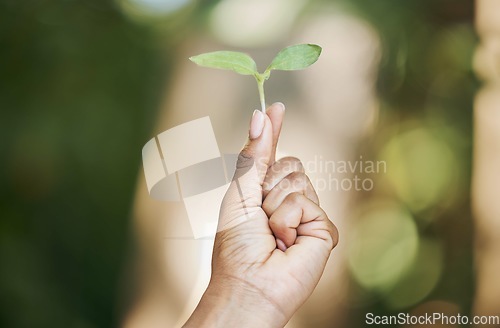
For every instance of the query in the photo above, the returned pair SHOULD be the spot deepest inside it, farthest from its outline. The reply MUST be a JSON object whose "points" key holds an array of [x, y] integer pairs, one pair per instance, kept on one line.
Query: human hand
{"points": [[273, 239]]}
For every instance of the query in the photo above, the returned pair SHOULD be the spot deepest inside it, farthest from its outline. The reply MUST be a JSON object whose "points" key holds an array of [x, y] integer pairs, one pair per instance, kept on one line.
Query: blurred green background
{"points": [[81, 83]]}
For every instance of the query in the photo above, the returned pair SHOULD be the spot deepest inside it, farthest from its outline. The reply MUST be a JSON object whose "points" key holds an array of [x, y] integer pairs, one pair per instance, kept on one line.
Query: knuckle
{"points": [[299, 179], [267, 208], [293, 198], [295, 181], [334, 233], [273, 222], [293, 163], [280, 224], [275, 169]]}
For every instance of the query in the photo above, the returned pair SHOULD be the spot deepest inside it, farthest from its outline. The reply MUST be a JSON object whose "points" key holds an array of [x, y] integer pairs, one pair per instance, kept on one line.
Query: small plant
{"points": [[288, 59]]}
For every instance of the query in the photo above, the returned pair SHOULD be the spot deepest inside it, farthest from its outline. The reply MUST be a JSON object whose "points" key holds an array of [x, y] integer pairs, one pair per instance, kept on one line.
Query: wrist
{"points": [[229, 303]]}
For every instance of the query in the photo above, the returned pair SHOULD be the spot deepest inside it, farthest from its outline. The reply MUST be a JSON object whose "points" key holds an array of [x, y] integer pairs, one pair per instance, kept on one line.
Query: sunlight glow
{"points": [[254, 23]]}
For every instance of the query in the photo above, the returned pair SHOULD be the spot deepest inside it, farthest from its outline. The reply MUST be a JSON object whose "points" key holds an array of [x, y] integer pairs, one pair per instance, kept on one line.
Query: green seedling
{"points": [[288, 59]]}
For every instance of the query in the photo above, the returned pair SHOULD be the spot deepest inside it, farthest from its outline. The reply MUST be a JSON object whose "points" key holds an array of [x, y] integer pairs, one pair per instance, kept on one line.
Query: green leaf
{"points": [[295, 57], [235, 61]]}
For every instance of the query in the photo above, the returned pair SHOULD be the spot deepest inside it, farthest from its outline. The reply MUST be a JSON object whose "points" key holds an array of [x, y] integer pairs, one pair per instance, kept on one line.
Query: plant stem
{"points": [[260, 84]]}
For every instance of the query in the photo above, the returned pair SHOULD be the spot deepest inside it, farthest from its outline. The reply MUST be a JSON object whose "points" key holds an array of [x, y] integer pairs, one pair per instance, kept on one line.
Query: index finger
{"points": [[276, 112]]}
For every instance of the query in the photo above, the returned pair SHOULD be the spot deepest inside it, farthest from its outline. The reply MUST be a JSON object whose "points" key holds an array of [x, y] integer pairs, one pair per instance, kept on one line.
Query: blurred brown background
{"points": [[85, 84]]}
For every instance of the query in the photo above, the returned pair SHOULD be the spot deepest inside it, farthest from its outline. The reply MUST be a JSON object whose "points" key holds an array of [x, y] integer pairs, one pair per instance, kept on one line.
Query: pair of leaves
{"points": [[289, 59]]}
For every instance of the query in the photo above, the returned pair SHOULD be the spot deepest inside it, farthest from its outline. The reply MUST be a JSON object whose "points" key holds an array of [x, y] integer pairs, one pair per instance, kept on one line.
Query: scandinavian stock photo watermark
{"points": [[184, 164], [344, 175], [328, 175]]}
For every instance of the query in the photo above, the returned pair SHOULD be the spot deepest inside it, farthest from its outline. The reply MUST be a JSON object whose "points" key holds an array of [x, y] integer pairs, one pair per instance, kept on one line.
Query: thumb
{"points": [[244, 195], [255, 157]]}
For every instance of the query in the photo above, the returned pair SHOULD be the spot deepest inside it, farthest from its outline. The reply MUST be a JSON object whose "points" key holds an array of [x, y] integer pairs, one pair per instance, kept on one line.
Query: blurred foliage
{"points": [[426, 86], [80, 86]]}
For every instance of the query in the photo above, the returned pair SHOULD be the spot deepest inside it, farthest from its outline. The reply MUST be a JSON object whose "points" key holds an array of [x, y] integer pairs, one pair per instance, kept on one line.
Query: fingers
{"points": [[284, 177], [299, 216], [292, 205], [257, 150], [295, 182], [276, 112], [260, 149], [244, 195], [279, 170]]}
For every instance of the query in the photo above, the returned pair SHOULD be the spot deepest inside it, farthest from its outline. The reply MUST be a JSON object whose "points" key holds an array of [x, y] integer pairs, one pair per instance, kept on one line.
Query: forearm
{"points": [[221, 307]]}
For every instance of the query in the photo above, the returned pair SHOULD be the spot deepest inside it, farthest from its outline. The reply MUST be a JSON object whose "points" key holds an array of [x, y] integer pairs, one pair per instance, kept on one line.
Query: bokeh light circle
{"points": [[383, 244]]}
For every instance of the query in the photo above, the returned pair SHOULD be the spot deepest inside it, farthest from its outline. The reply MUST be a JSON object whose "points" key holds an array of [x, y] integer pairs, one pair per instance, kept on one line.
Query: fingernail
{"points": [[279, 104], [257, 124], [281, 245]]}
